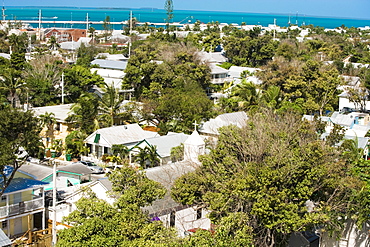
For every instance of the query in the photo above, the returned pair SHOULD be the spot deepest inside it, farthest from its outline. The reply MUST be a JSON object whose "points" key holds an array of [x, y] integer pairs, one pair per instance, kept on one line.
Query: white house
{"points": [[193, 147], [210, 128], [183, 218], [164, 144], [101, 141], [352, 236]]}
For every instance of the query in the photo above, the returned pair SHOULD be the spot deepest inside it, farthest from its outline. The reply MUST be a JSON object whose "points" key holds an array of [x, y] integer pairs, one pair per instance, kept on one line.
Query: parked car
{"points": [[92, 166]]}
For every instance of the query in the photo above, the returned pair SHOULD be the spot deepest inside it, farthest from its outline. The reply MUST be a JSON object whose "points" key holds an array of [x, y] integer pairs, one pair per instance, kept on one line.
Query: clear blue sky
{"points": [[338, 8]]}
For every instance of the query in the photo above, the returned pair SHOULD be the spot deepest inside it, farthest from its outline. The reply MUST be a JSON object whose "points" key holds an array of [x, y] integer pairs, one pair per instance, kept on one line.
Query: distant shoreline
{"points": [[301, 15], [156, 15]]}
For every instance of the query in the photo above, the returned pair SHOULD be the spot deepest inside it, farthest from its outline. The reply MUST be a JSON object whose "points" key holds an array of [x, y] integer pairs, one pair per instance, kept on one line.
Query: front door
{"points": [[17, 226]]}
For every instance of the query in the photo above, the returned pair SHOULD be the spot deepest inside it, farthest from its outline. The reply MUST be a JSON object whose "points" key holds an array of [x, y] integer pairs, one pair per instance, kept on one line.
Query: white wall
{"points": [[344, 102], [186, 219], [352, 236]]}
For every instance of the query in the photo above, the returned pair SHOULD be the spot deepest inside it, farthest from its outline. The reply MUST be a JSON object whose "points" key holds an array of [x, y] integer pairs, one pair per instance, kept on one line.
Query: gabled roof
{"points": [[235, 71], [18, 184], [5, 55], [213, 57], [77, 168], [361, 141], [70, 45], [4, 240], [120, 65], [112, 57], [36, 171], [165, 143], [106, 183], [217, 69], [236, 118], [194, 139], [60, 111], [122, 134], [166, 175]]}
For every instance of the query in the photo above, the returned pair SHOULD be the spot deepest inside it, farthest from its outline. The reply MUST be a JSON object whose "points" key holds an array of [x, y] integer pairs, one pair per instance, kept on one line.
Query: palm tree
{"points": [[152, 155], [247, 94], [110, 105], [84, 113], [11, 83], [48, 120], [120, 151], [272, 98], [141, 157], [53, 44]]}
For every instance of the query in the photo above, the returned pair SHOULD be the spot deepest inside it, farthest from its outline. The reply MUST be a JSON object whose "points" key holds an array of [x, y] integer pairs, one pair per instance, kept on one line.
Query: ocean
{"points": [[159, 16]]}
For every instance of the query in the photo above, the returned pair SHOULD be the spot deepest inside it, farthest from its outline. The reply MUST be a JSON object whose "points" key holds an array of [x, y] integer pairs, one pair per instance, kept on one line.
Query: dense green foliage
{"points": [[174, 89], [270, 170], [18, 130], [97, 223]]}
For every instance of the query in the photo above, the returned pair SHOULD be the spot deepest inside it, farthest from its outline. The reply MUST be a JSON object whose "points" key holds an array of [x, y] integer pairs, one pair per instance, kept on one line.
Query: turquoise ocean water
{"points": [[159, 15]]}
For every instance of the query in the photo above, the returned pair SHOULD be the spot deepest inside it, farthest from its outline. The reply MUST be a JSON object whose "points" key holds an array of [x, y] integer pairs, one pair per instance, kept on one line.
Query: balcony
{"points": [[22, 207], [221, 80]]}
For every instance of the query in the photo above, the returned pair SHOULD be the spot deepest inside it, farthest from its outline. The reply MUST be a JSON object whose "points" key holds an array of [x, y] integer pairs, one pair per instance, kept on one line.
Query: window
{"points": [[199, 213], [172, 218], [3, 199], [58, 127], [4, 224]]}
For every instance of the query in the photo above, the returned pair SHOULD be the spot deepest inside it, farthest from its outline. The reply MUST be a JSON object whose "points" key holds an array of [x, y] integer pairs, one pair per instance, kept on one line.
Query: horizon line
{"points": [[145, 8]]}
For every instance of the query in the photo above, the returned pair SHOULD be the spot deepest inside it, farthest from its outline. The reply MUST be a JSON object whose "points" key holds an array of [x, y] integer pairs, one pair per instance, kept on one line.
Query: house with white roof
{"points": [[219, 75], [66, 175], [356, 126], [111, 57], [193, 147], [110, 64], [210, 128], [166, 210], [101, 141], [100, 187], [163, 144], [184, 218]]}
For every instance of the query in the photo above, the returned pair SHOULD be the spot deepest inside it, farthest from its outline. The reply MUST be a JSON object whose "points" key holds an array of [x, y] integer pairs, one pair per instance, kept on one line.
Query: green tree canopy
{"points": [[272, 170], [97, 223], [19, 130], [78, 80]]}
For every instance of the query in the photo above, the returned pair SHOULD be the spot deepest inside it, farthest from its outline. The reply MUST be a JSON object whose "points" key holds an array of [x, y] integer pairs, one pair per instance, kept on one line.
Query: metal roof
{"points": [[235, 71], [166, 175], [217, 69], [194, 139], [121, 65], [4, 240], [70, 45], [109, 73], [18, 184], [122, 134], [106, 183], [60, 111], [236, 118], [36, 171], [165, 143], [75, 168]]}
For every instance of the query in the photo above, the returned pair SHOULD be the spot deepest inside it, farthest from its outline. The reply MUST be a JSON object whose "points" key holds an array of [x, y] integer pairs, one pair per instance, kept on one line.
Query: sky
{"points": [[333, 8]]}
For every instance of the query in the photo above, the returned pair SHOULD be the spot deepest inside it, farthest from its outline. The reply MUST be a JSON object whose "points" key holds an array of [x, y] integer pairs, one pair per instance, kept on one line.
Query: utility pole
{"points": [[3, 11], [54, 230], [40, 24], [130, 22], [87, 24], [62, 84]]}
